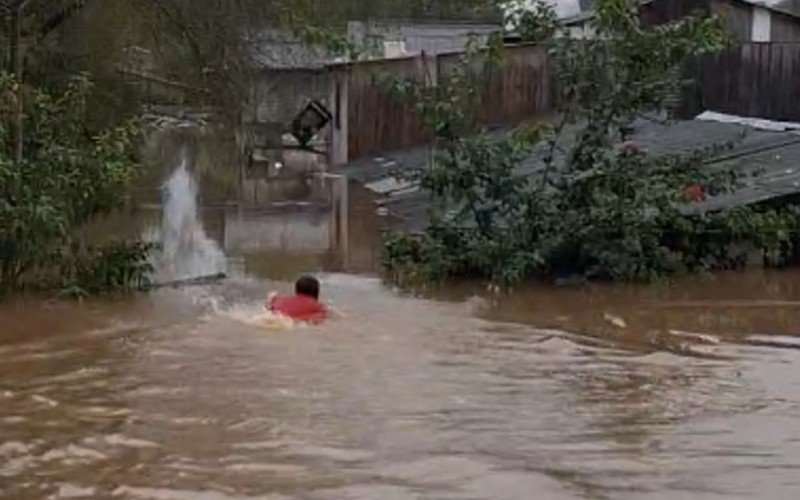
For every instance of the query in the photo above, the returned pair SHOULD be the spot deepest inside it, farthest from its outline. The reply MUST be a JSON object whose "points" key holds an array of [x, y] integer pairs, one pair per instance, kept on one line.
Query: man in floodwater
{"points": [[303, 306]]}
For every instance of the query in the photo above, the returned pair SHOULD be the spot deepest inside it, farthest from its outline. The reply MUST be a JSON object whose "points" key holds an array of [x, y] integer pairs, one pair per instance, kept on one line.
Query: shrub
{"points": [[67, 175]]}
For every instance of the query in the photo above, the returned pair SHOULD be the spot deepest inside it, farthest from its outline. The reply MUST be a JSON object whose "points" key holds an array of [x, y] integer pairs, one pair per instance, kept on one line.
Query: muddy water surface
{"points": [[689, 390]]}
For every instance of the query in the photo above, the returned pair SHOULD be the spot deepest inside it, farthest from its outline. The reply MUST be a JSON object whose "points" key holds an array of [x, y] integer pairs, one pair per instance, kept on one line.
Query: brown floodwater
{"points": [[682, 390]]}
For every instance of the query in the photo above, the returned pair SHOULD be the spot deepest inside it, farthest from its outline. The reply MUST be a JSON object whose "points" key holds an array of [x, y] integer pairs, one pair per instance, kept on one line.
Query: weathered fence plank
{"points": [[520, 89], [377, 120], [752, 79]]}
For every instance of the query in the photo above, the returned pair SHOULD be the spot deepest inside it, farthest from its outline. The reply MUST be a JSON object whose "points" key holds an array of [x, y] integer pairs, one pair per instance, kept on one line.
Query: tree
{"points": [[208, 46], [29, 22]]}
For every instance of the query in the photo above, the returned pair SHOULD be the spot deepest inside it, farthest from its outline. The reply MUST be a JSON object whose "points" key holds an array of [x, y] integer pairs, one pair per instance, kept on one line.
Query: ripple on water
{"points": [[777, 341], [44, 400], [260, 445], [173, 494], [467, 477], [366, 492], [10, 448], [330, 453], [71, 454], [267, 468], [104, 412], [74, 491], [17, 466], [128, 442], [38, 353], [80, 375], [13, 420]]}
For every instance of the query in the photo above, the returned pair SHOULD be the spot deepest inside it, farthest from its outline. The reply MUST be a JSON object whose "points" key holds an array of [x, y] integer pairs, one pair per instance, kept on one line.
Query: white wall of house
{"points": [[762, 25]]}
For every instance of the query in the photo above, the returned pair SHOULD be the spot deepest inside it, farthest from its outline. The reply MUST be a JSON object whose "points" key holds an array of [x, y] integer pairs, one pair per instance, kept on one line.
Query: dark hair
{"points": [[308, 286]]}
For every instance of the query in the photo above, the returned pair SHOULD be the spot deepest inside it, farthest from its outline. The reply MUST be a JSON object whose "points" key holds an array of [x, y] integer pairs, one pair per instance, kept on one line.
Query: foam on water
{"points": [[256, 315]]}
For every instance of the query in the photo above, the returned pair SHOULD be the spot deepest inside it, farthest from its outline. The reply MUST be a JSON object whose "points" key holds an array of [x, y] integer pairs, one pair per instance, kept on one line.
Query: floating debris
{"points": [[615, 320]]}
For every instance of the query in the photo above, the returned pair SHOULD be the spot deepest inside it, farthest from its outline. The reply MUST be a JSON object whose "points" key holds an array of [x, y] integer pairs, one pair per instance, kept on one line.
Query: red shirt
{"points": [[695, 193], [299, 308]]}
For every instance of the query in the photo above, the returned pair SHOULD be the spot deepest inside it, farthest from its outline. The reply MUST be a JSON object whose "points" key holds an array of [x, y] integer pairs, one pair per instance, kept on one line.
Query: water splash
{"points": [[186, 250], [254, 314]]}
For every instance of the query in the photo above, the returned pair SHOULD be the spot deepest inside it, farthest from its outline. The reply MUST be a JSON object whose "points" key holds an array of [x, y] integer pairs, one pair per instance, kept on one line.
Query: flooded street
{"points": [[212, 153], [610, 392]]}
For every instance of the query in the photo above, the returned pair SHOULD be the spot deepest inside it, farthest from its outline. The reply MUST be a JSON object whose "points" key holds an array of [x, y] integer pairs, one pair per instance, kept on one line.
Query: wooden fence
{"points": [[751, 79], [521, 88], [377, 120]]}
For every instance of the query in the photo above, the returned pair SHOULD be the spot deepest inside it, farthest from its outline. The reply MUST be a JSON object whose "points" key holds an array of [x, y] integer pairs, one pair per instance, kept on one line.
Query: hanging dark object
{"points": [[309, 122]]}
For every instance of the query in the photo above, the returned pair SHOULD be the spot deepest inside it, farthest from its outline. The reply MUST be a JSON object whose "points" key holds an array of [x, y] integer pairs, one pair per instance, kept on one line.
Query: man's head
{"points": [[308, 286]]}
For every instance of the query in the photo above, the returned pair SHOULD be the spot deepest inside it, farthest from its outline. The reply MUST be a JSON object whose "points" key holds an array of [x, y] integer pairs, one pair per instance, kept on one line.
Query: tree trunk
{"points": [[16, 70]]}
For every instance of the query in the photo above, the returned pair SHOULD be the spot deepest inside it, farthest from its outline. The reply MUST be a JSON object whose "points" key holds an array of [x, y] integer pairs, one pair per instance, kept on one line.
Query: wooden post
{"points": [[339, 88], [429, 66]]}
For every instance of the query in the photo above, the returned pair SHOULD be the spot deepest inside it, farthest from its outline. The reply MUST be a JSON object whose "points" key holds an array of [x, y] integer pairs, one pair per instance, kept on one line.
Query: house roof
{"points": [[788, 7], [280, 50], [416, 37], [429, 23], [563, 8], [774, 152]]}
